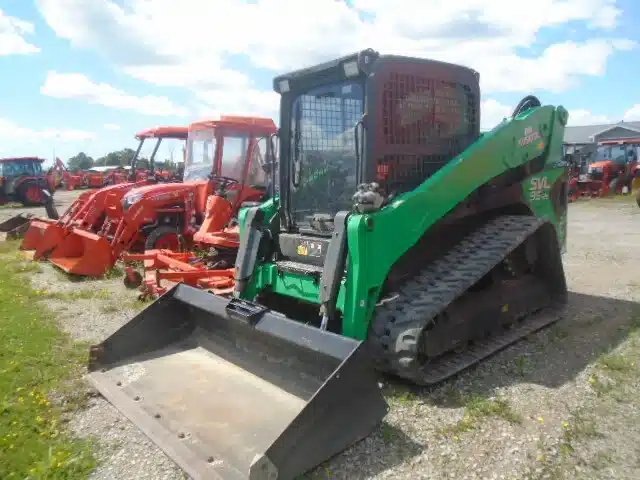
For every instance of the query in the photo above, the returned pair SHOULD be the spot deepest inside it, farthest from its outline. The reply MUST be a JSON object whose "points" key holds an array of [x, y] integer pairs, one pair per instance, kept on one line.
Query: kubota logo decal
{"points": [[530, 136], [539, 189]]}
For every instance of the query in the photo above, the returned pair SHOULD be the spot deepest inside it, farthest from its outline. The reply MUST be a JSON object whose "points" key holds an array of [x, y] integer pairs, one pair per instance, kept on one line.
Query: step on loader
{"points": [[165, 216], [401, 241], [90, 210]]}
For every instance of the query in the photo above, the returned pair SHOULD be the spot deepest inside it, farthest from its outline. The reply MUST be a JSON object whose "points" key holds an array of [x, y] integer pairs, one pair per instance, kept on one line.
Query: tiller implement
{"points": [[221, 155], [401, 240], [93, 208]]}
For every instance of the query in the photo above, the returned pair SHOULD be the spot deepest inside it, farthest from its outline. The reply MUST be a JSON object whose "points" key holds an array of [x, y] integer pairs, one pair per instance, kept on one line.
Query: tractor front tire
{"points": [[164, 237]]}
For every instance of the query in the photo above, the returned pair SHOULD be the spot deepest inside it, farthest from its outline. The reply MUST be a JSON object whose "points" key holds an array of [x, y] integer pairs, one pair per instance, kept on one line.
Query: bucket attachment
{"points": [[42, 236], [15, 226], [83, 253], [231, 390]]}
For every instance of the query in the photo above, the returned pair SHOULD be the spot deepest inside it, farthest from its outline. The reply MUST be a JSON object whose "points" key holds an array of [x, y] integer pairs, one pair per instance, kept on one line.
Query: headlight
{"points": [[595, 169], [130, 199]]}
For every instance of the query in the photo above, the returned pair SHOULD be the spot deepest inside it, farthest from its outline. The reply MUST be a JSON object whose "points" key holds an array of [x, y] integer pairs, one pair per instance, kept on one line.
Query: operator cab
{"points": [[360, 130], [14, 167], [368, 118], [232, 152]]}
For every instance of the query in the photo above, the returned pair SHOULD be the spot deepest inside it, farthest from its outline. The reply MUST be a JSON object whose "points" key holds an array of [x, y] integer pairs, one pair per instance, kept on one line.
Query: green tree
{"points": [[80, 162], [118, 158]]}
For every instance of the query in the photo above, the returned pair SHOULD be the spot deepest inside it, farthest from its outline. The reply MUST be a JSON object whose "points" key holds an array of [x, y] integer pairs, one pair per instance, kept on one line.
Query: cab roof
{"points": [[622, 141], [22, 159], [164, 132], [258, 125]]}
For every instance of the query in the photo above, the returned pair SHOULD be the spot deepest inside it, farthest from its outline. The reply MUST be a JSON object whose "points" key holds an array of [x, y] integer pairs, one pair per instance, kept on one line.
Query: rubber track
{"points": [[398, 322]]}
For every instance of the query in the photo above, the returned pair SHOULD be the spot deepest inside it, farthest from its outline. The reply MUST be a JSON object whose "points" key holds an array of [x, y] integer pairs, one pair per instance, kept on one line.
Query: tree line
{"points": [[120, 158]]}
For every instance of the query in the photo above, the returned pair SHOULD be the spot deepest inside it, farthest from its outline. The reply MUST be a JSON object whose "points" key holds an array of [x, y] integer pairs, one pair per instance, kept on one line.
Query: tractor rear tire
{"points": [[164, 237], [26, 194]]}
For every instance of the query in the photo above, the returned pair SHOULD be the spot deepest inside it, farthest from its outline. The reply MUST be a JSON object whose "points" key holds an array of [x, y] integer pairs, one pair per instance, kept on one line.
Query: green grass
{"points": [[578, 428], [521, 366], [79, 294], [388, 433], [616, 363], [601, 386], [114, 272], [36, 359], [109, 308], [478, 409], [9, 205], [401, 396]]}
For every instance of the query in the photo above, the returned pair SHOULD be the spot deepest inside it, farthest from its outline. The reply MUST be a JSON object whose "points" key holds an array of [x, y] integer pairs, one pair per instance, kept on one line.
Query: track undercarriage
{"points": [[494, 287]]}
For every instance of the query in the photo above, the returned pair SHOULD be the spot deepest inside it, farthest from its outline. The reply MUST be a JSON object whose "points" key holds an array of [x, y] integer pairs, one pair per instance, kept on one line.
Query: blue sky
{"points": [[87, 74]]}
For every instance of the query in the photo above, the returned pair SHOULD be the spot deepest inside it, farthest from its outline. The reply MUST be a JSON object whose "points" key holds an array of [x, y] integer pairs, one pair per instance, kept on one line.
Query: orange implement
{"points": [[42, 236], [164, 268], [83, 253]]}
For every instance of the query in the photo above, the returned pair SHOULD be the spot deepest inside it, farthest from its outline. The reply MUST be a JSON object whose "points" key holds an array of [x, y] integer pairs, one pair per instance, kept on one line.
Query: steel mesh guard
{"points": [[424, 123]]}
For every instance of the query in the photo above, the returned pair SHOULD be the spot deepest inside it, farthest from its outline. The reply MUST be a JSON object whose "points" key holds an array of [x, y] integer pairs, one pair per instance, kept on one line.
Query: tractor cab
{"points": [[615, 164], [25, 166], [22, 179], [617, 156], [142, 168], [229, 156]]}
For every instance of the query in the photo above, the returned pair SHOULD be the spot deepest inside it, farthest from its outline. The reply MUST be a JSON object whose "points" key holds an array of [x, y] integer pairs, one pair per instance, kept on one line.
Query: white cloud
{"points": [[217, 102], [111, 126], [10, 130], [493, 112], [203, 49], [581, 116], [487, 35], [557, 69], [12, 33], [633, 114], [77, 85]]}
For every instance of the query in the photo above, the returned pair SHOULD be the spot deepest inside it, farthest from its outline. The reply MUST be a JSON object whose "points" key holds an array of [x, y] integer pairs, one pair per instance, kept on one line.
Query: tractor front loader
{"points": [[401, 239], [90, 210], [165, 216]]}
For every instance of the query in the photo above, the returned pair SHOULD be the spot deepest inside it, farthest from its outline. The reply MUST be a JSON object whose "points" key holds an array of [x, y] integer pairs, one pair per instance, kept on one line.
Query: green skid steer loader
{"points": [[402, 240]]}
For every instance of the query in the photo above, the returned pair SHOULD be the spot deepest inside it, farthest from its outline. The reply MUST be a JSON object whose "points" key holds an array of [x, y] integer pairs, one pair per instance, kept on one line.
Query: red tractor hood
{"points": [[159, 188], [108, 189], [600, 164]]}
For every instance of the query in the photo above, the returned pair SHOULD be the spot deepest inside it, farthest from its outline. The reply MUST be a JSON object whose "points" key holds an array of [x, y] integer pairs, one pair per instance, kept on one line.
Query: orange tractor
{"points": [[91, 209], [612, 169], [222, 156]]}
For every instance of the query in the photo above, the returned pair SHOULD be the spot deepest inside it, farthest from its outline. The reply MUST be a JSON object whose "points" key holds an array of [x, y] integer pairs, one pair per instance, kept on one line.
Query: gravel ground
{"points": [[62, 200], [556, 405]]}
